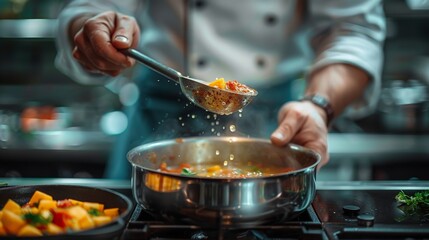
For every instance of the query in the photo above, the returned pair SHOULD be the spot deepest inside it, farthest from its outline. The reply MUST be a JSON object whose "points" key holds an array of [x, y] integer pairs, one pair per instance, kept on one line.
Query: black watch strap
{"points": [[323, 103]]}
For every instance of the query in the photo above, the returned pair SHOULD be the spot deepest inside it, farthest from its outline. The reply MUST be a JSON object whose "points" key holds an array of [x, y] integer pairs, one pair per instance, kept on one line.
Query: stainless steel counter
{"points": [[378, 147], [376, 157]]}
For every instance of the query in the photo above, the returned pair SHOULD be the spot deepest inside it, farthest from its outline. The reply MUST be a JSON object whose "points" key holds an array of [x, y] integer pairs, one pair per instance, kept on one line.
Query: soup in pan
{"points": [[219, 171]]}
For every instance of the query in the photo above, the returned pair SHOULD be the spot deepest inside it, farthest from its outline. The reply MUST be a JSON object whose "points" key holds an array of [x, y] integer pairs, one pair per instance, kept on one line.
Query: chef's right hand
{"points": [[97, 40]]}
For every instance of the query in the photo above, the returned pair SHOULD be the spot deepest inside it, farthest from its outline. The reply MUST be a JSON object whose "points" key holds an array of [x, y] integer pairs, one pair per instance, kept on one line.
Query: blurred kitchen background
{"points": [[50, 126]]}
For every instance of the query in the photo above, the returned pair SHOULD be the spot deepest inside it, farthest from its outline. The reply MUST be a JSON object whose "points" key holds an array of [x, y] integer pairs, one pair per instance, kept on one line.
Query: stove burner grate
{"points": [[144, 226]]}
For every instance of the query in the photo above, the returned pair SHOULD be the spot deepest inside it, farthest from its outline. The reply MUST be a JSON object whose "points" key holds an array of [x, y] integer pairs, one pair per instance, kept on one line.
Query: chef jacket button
{"points": [[260, 62], [200, 4], [271, 19], [201, 62]]}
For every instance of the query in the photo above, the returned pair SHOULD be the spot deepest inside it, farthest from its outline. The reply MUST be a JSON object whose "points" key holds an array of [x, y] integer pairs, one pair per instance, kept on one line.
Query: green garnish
{"points": [[416, 205], [420, 200], [36, 219], [187, 172], [255, 169], [94, 212]]}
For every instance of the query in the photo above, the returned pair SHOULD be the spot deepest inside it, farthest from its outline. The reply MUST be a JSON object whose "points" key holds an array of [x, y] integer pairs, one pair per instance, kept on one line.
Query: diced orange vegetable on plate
{"points": [[29, 231], [53, 229], [12, 206], [47, 204], [111, 212], [37, 196], [90, 205], [101, 220], [86, 222], [12, 222], [77, 212], [76, 202], [2, 230]]}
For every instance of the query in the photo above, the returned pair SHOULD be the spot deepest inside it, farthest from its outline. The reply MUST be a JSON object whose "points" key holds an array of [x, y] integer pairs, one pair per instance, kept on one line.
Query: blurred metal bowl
{"points": [[207, 201]]}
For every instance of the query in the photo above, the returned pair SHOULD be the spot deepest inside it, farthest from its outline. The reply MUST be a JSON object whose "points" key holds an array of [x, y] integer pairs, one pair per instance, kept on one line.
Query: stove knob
{"points": [[351, 210], [365, 220]]}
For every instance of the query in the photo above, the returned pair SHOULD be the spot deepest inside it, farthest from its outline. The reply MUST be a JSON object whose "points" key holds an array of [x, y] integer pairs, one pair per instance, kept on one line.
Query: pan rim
{"points": [[150, 145]]}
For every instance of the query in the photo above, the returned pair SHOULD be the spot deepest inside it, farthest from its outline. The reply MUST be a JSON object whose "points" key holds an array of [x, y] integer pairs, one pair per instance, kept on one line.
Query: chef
{"points": [[310, 61]]}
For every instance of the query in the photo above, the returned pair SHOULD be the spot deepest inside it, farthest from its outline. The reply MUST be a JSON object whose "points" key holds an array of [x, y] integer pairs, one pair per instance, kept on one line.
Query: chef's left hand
{"points": [[303, 123]]}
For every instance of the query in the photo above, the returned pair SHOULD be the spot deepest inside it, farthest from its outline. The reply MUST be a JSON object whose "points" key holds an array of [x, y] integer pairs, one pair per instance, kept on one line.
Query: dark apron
{"points": [[163, 112]]}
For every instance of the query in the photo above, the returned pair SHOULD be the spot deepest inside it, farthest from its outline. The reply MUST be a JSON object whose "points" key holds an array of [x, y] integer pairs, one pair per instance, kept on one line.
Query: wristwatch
{"points": [[321, 102]]}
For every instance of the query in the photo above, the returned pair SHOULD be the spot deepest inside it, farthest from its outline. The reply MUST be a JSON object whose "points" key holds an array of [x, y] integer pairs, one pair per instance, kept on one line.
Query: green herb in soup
{"points": [[216, 170]]}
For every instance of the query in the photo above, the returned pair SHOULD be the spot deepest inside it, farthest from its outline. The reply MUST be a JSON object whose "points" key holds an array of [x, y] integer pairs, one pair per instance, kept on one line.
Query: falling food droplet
{"points": [[183, 124], [240, 110], [208, 117], [240, 115], [225, 163], [193, 116], [188, 115], [230, 140], [212, 123], [217, 122], [180, 118], [231, 157], [218, 134], [213, 129], [217, 152], [223, 127], [232, 128]]}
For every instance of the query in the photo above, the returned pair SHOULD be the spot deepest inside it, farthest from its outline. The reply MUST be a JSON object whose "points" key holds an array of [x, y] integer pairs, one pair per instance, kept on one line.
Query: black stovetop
{"points": [[324, 219], [390, 220]]}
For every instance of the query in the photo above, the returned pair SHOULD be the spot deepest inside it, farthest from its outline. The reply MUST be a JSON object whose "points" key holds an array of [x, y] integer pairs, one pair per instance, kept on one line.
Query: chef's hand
{"points": [[98, 38], [303, 123]]}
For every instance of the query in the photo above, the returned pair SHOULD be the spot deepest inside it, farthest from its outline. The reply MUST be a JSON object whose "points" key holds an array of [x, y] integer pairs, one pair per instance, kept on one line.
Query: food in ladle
{"points": [[231, 85], [42, 215], [223, 103], [219, 171]]}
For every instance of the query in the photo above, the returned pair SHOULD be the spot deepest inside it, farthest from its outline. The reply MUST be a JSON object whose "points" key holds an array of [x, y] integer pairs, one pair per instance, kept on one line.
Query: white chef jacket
{"points": [[257, 42]]}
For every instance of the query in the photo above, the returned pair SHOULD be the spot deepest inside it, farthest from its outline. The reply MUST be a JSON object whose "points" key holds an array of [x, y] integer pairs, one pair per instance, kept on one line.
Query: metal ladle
{"points": [[216, 100]]}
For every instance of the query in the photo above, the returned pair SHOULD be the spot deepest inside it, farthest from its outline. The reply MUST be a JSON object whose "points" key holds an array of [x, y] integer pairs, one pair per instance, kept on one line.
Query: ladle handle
{"points": [[152, 64]]}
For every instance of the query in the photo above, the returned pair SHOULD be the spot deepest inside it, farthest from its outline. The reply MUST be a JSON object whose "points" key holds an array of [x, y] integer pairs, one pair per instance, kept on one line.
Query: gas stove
{"points": [[340, 211], [337, 213]]}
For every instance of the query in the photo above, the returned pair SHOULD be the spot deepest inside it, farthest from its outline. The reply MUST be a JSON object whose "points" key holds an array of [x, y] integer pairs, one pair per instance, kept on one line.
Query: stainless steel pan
{"points": [[241, 202]]}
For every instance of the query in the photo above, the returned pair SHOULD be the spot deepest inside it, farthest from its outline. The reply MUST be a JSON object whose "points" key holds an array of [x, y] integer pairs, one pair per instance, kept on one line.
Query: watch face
{"points": [[319, 100], [323, 103]]}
